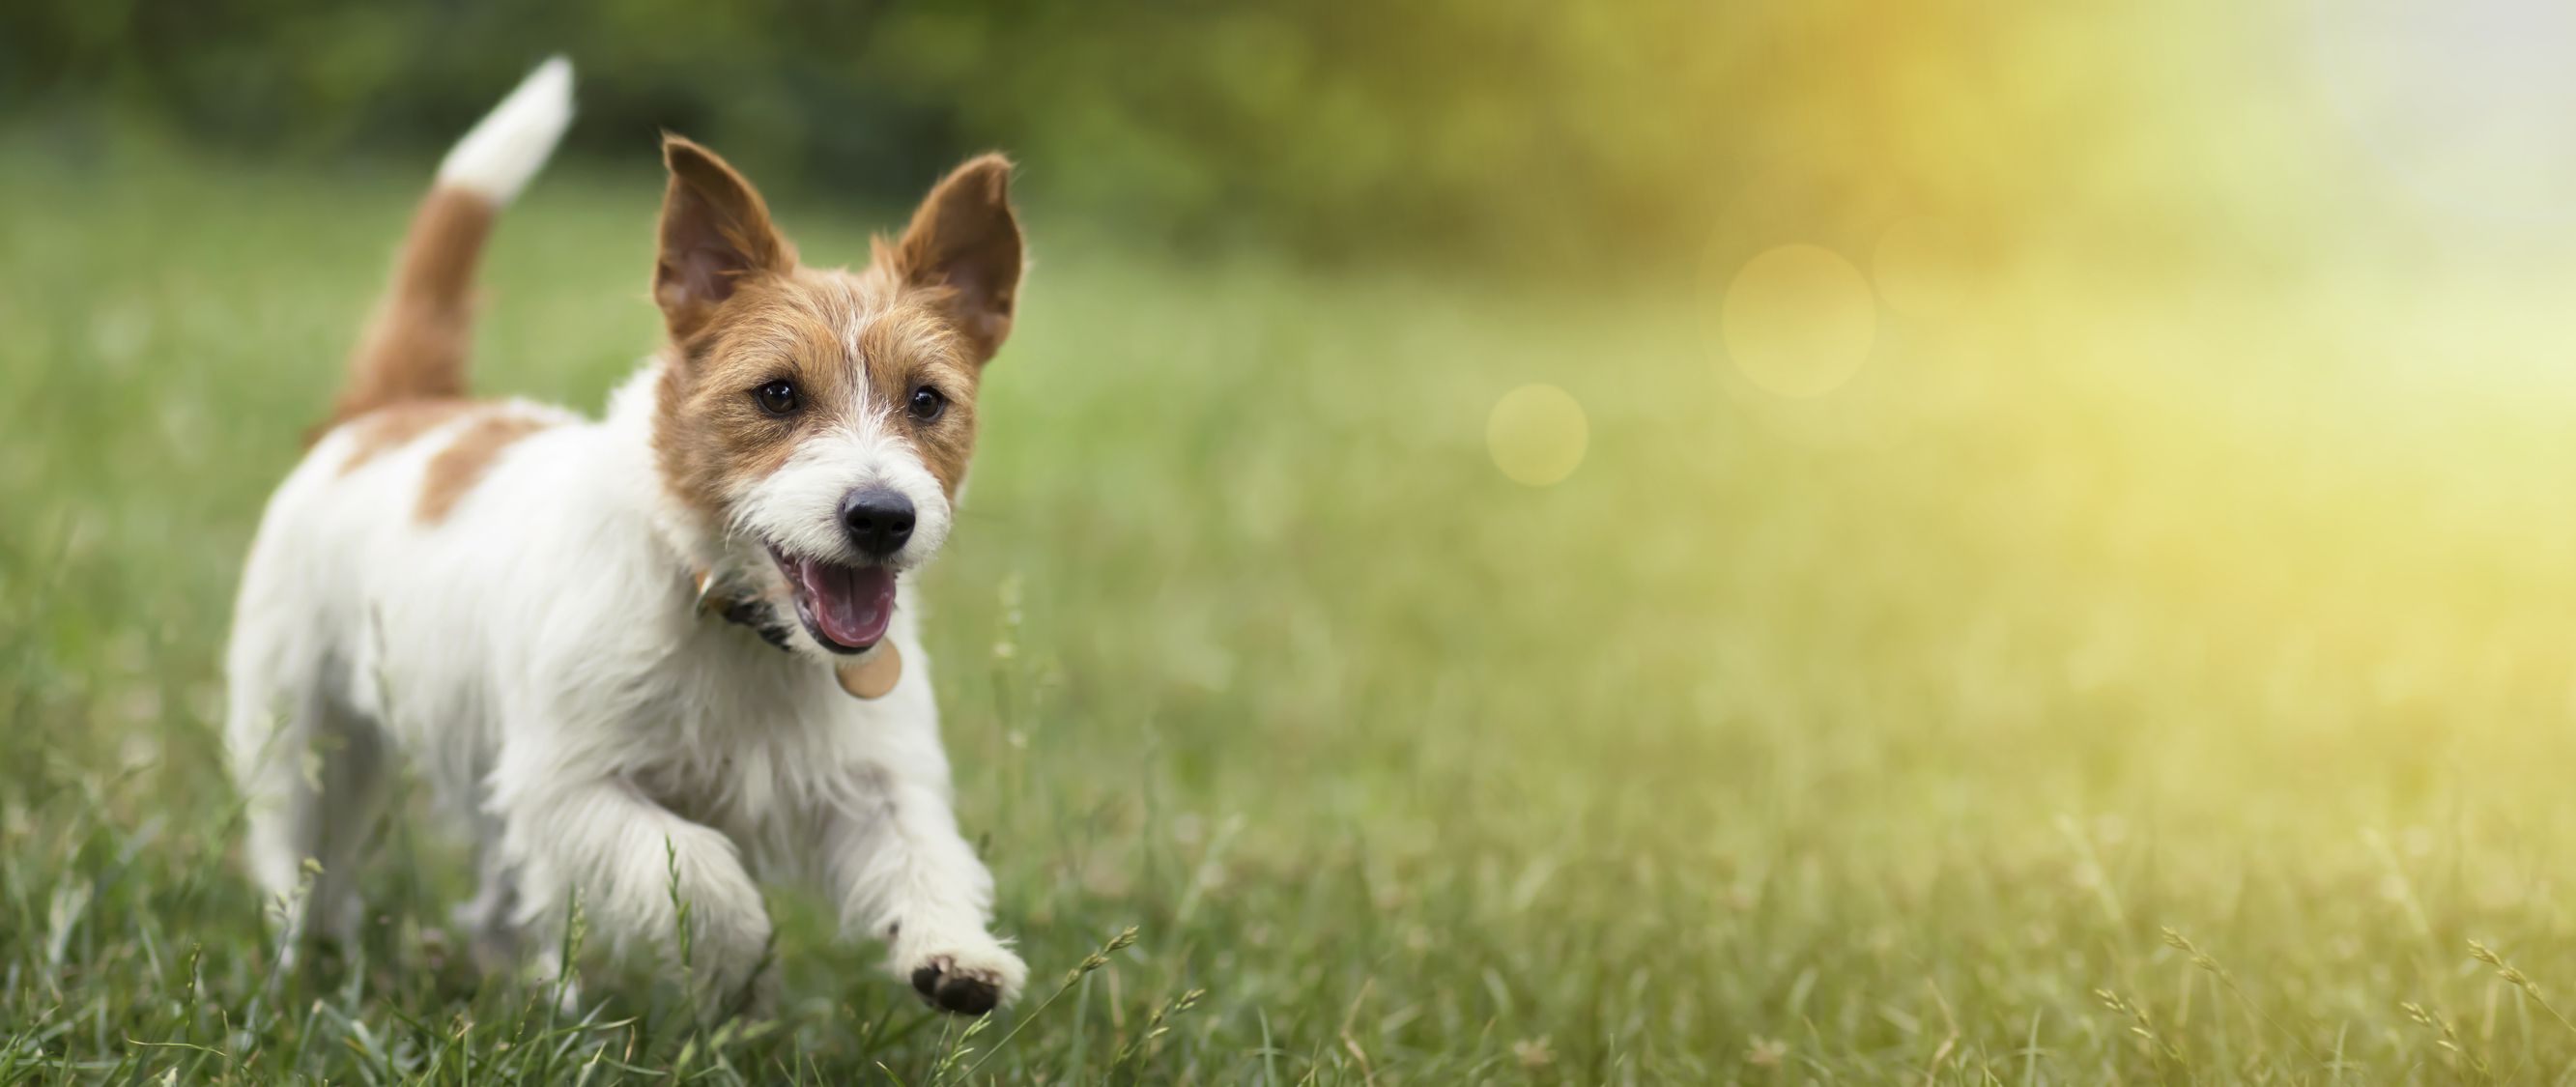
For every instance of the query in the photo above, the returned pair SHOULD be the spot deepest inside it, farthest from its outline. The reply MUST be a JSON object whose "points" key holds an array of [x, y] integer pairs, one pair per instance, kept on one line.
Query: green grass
{"points": [[2119, 681]]}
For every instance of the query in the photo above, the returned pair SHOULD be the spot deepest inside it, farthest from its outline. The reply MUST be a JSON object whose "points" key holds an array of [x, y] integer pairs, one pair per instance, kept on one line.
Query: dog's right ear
{"points": [[716, 233]]}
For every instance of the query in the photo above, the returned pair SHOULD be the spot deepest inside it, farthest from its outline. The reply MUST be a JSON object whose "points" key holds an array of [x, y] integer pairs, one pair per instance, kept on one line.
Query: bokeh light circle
{"points": [[1537, 434], [1799, 320]]}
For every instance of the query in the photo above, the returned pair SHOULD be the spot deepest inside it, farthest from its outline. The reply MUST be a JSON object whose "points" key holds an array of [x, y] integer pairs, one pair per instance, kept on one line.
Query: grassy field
{"points": [[2121, 679]]}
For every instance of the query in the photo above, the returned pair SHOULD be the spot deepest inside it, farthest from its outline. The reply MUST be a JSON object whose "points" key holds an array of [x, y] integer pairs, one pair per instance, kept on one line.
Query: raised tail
{"points": [[414, 349]]}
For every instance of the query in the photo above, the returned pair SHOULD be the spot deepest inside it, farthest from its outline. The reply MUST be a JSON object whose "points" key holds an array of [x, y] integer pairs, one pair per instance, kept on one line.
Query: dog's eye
{"points": [[926, 404], [777, 397]]}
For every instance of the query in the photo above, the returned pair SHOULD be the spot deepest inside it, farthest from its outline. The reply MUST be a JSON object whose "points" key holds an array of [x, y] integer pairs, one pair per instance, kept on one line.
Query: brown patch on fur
{"points": [[929, 310], [710, 432], [415, 347], [457, 468], [910, 346], [392, 427]]}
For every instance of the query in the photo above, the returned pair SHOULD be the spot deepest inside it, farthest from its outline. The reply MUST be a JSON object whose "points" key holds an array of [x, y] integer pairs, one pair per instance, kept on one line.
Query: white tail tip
{"points": [[507, 146]]}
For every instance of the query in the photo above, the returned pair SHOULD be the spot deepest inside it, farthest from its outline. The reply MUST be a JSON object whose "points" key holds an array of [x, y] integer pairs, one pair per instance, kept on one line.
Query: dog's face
{"points": [[819, 420]]}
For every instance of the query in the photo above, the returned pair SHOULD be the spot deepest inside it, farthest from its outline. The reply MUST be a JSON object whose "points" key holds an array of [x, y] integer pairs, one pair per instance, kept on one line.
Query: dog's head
{"points": [[818, 421]]}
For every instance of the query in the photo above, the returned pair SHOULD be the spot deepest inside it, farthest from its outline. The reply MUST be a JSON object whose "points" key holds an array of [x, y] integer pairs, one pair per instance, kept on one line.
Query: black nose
{"points": [[878, 520]]}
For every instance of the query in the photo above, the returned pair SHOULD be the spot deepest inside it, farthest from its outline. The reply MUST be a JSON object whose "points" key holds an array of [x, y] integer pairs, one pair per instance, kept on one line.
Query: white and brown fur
{"points": [[507, 595]]}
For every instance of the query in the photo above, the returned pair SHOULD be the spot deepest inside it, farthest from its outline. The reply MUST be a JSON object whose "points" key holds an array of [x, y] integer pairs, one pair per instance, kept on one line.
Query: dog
{"points": [[653, 659]]}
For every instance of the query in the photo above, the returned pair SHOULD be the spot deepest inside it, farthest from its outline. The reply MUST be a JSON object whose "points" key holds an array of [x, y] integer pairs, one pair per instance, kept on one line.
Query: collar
{"points": [[871, 676]]}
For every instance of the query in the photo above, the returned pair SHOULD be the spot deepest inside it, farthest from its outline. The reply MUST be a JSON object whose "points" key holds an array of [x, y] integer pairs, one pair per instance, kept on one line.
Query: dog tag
{"points": [[874, 677]]}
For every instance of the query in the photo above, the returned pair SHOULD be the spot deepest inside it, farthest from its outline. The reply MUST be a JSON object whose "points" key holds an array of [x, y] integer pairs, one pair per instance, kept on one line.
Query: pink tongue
{"points": [[851, 604]]}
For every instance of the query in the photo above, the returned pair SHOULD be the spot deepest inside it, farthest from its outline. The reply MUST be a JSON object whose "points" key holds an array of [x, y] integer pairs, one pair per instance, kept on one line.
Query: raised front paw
{"points": [[968, 981]]}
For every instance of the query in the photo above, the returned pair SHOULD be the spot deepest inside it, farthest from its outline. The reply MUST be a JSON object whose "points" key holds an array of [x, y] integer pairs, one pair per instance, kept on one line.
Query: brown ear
{"points": [[964, 238], [715, 233]]}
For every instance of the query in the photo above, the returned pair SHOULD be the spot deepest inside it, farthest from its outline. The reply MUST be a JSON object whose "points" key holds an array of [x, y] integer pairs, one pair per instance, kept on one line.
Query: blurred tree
{"points": [[1522, 132]]}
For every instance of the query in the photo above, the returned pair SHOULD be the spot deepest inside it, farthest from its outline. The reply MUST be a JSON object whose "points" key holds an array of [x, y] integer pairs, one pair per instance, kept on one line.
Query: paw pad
{"points": [[952, 990]]}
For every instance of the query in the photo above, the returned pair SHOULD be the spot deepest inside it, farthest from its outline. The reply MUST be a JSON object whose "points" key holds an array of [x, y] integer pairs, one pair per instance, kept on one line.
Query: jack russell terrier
{"points": [[653, 659]]}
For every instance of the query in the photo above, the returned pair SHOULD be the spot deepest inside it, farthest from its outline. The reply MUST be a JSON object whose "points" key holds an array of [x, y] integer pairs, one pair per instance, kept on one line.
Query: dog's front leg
{"points": [[902, 874], [640, 869]]}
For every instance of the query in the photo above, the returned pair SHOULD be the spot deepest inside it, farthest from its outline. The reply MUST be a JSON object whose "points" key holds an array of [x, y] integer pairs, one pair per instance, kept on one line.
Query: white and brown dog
{"points": [[656, 658]]}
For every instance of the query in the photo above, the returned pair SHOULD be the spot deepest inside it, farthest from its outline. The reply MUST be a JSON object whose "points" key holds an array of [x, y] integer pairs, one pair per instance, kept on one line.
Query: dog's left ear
{"points": [[964, 238]]}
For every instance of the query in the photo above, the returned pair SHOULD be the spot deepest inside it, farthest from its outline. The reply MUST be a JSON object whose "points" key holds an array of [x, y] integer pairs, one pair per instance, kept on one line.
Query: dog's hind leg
{"points": [[490, 918], [312, 774]]}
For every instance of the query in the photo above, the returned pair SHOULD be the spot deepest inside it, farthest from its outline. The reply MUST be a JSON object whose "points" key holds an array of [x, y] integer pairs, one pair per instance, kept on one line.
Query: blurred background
{"points": [[1571, 541], [1592, 137], [1589, 138]]}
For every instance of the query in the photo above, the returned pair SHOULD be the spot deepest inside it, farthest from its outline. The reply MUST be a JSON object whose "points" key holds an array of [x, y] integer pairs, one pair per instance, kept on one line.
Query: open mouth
{"points": [[846, 608]]}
